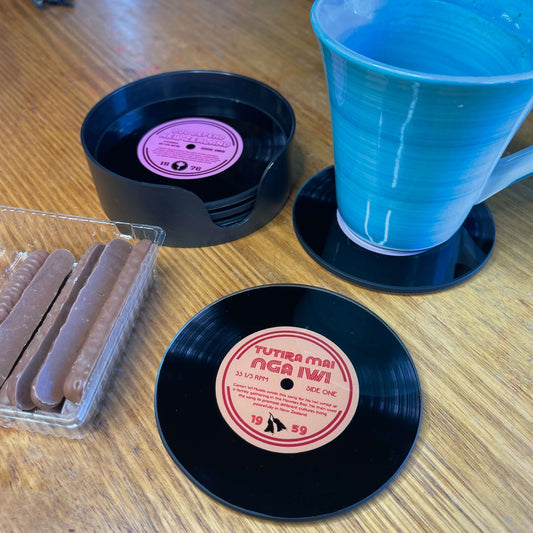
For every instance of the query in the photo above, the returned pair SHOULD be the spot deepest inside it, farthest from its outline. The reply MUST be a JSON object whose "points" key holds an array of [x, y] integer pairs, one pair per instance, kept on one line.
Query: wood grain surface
{"points": [[472, 466]]}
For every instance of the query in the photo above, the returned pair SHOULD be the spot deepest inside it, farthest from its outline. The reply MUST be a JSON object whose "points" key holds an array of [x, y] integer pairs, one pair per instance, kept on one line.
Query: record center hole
{"points": [[287, 384], [190, 146]]}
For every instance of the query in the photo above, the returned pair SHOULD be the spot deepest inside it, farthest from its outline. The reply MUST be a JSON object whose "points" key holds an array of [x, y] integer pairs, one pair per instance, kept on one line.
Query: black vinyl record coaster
{"points": [[232, 140], [288, 402], [441, 267]]}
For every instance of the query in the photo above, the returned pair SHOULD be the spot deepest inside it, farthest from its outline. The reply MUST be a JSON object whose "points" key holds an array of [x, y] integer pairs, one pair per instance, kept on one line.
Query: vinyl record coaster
{"points": [[317, 228], [215, 148], [288, 402]]}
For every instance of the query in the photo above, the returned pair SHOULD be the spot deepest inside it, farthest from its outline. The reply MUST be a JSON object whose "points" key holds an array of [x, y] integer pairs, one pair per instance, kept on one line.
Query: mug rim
{"points": [[413, 75]]}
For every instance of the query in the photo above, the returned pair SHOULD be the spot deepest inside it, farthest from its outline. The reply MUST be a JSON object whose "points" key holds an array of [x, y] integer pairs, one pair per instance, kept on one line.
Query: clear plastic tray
{"points": [[22, 231]]}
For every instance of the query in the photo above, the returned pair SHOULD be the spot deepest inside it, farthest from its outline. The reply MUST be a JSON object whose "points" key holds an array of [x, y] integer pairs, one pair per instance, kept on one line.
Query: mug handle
{"points": [[508, 170]]}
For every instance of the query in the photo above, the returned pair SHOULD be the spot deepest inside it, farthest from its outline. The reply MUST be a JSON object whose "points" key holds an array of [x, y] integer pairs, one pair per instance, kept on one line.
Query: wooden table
{"points": [[471, 469]]}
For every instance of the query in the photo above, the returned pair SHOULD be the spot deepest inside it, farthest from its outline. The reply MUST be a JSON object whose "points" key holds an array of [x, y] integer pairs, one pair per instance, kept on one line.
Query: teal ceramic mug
{"points": [[425, 96]]}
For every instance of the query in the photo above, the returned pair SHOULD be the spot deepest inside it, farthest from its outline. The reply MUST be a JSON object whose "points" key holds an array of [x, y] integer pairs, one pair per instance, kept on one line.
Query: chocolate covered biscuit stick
{"points": [[47, 388], [18, 327], [82, 368], [20, 279], [18, 386]]}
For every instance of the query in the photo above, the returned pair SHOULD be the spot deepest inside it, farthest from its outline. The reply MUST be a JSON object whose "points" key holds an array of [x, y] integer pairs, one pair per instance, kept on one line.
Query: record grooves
{"points": [[329, 472], [262, 138]]}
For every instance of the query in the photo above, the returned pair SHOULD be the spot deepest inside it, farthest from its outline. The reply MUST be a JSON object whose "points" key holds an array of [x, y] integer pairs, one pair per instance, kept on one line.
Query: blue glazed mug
{"points": [[425, 96]]}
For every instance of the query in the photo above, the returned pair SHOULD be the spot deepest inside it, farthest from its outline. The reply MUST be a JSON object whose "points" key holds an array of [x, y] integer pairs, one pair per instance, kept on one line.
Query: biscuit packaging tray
{"points": [[70, 291]]}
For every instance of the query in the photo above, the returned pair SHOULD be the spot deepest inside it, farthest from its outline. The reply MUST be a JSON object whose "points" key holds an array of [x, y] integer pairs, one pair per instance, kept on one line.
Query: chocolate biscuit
{"points": [[82, 368], [47, 388], [20, 324], [20, 279], [18, 385]]}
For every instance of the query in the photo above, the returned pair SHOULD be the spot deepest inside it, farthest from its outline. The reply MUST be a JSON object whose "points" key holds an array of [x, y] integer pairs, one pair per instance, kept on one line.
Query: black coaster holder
{"points": [[181, 213]]}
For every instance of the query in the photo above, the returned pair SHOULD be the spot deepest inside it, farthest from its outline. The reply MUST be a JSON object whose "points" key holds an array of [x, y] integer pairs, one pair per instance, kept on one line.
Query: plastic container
{"points": [[22, 231], [120, 120]]}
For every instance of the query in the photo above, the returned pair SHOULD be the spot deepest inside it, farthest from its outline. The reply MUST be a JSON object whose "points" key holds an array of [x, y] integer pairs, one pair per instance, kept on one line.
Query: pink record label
{"points": [[287, 389], [190, 148]]}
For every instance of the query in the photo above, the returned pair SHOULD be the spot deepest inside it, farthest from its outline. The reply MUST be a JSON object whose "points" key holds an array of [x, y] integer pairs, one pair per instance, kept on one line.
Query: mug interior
{"points": [[457, 38]]}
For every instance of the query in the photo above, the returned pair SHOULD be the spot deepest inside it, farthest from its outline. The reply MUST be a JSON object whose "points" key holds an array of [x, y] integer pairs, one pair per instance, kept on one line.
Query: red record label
{"points": [[287, 389]]}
